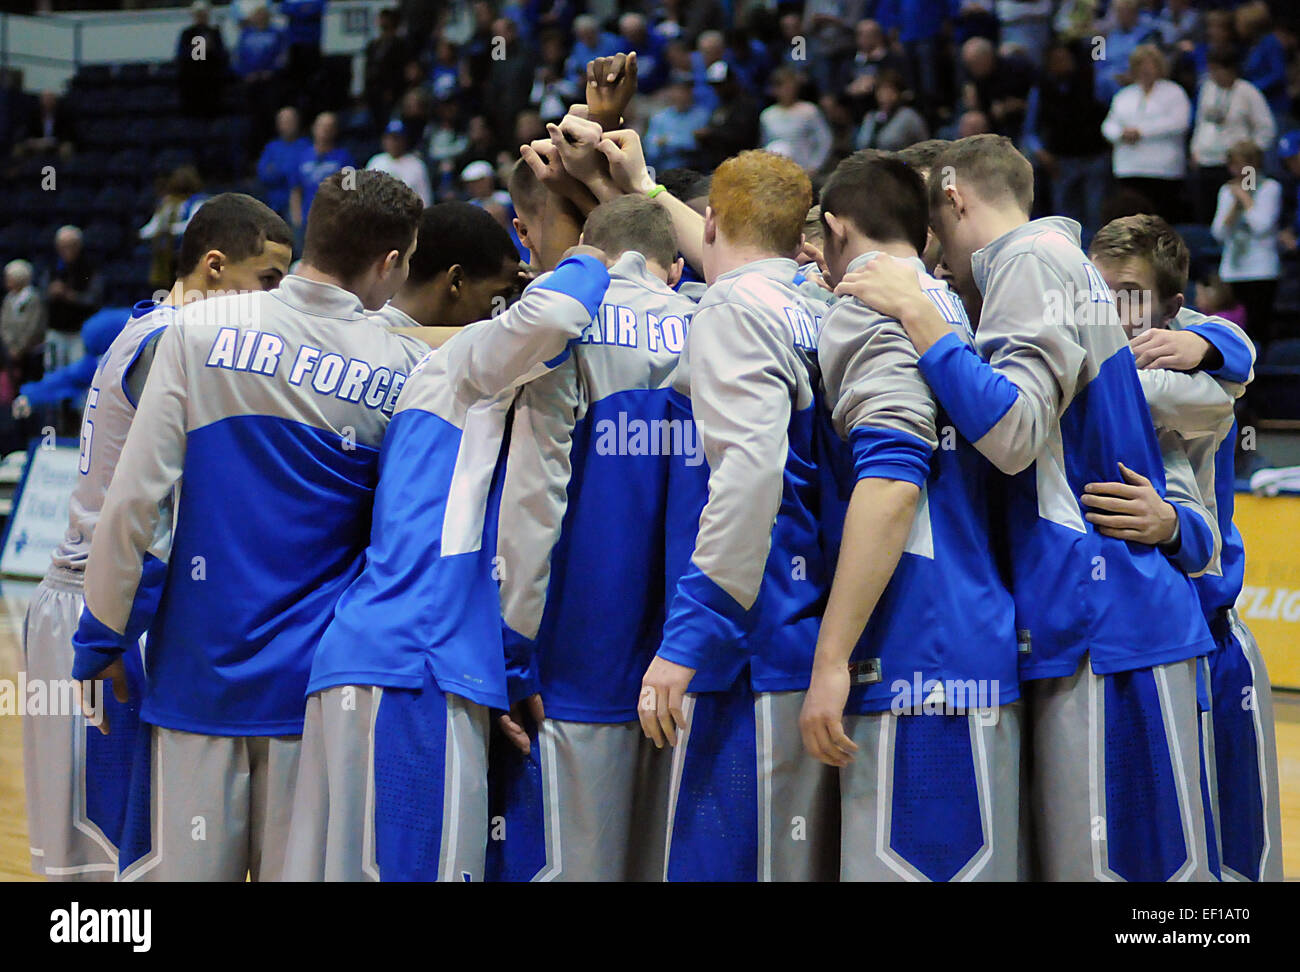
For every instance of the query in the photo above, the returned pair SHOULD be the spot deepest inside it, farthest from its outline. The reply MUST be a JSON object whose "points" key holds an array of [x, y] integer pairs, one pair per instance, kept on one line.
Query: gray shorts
{"points": [[932, 797], [392, 785], [1115, 776]]}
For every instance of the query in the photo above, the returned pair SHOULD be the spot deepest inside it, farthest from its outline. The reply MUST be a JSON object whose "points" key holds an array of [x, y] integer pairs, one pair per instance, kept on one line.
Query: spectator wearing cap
{"points": [[733, 124], [1228, 109], [400, 162], [320, 161], [1147, 125], [277, 166], [1288, 150], [589, 42], [894, 124], [478, 182], [1246, 223], [73, 291], [670, 137], [22, 324], [200, 64], [386, 59]]}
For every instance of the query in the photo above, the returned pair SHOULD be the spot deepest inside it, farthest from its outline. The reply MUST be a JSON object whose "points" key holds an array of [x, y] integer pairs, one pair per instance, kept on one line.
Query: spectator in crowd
{"points": [[48, 131], [828, 26], [553, 91], [797, 125], [415, 109], [181, 196], [1220, 33], [1063, 136], [670, 137], [22, 326], [277, 167], [973, 123], [73, 291], [1128, 31], [711, 49], [400, 162], [1027, 26], [1076, 20], [200, 64], [733, 125], [1229, 109], [1178, 25], [589, 42], [1264, 64], [306, 19], [748, 57], [1213, 296], [259, 57], [1288, 150], [872, 55], [478, 182], [510, 79], [444, 142], [635, 35], [1246, 223], [386, 59], [894, 124], [918, 26], [320, 161], [1147, 125], [447, 75], [997, 86], [481, 142]]}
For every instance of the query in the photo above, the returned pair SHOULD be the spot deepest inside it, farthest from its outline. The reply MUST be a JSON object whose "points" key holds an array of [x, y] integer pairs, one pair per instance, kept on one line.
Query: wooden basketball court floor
{"points": [[15, 860]]}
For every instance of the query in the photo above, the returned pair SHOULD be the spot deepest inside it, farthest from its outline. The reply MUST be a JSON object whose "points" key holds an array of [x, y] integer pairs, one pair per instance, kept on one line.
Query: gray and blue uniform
{"points": [[749, 580], [1240, 748], [581, 544], [76, 777], [258, 435], [393, 783], [934, 673], [1109, 630]]}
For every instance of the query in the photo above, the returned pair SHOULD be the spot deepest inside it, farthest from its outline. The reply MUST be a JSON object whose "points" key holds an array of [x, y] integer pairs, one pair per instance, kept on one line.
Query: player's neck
{"points": [[858, 245], [994, 223], [729, 257], [419, 306], [309, 272]]}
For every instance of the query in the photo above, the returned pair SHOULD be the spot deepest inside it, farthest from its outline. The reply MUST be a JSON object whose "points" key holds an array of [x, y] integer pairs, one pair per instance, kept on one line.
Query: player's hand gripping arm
{"points": [[1005, 406]]}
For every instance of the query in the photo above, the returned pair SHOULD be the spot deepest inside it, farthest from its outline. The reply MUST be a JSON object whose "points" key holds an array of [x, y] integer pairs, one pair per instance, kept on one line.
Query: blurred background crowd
{"points": [[1180, 107]]}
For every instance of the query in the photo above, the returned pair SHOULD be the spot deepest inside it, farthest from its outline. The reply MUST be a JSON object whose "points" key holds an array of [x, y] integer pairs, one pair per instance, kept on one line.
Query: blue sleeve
{"points": [[62, 385], [522, 678], [1195, 542], [581, 277], [880, 453], [95, 644], [704, 622], [1237, 358], [102, 327], [971, 390]]}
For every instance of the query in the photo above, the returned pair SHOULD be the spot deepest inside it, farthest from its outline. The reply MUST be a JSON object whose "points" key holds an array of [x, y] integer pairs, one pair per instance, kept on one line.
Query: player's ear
{"points": [[1169, 310], [836, 228], [455, 279], [675, 271], [710, 225], [390, 263], [521, 230], [213, 263]]}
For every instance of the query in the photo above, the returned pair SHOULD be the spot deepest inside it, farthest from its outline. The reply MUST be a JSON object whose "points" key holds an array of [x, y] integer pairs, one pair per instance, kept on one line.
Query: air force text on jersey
{"points": [[350, 379]]}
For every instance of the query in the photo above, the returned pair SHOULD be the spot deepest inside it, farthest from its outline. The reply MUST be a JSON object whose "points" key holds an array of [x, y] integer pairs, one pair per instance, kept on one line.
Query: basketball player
{"points": [[271, 408], [916, 655], [394, 780], [582, 587], [76, 779], [1108, 630], [1145, 263]]}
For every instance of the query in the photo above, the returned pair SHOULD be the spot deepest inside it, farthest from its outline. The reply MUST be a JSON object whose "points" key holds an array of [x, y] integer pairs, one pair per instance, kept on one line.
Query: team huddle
{"points": [[884, 539]]}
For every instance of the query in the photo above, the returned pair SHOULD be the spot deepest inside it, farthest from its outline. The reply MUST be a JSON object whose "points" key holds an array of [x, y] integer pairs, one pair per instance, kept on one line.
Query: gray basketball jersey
{"points": [[104, 424]]}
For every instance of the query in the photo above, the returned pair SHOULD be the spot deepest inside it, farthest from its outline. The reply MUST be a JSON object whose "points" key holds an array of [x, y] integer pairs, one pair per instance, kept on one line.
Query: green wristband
{"points": [[656, 190]]}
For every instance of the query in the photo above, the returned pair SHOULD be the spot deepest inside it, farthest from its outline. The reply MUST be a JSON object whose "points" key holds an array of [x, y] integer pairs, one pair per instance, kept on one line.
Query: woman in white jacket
{"points": [[1148, 124], [1245, 222], [1229, 109]]}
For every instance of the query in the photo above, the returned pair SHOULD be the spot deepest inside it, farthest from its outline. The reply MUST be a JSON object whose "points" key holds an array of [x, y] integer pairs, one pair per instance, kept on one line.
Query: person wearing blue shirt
{"points": [[259, 58], [589, 42], [670, 136], [319, 161], [918, 24], [1264, 64], [1122, 39], [306, 18], [277, 167]]}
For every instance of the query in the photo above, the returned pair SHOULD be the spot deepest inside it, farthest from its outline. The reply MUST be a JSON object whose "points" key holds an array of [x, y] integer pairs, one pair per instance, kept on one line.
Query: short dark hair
{"points": [[685, 184], [922, 155], [632, 223], [1150, 238], [460, 232], [234, 223], [991, 165], [882, 196], [351, 226], [526, 190]]}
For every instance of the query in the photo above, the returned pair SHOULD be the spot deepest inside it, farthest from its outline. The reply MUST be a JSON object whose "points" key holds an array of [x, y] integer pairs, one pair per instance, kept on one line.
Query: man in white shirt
{"points": [[400, 162], [1229, 109]]}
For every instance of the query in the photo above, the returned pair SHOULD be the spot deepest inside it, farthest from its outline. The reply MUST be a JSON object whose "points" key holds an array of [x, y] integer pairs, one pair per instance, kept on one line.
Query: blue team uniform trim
{"points": [[95, 644], [1195, 541], [1236, 356], [880, 453], [973, 393], [582, 277]]}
